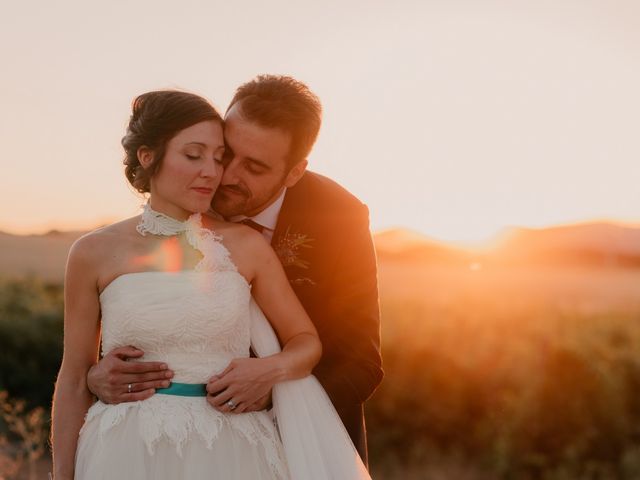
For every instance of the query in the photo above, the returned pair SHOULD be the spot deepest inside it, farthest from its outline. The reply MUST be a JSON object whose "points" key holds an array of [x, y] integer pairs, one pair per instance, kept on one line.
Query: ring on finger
{"points": [[231, 404], [129, 388]]}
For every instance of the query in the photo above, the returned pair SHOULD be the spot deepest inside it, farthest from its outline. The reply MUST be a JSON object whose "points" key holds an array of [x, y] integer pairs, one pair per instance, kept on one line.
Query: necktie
{"points": [[250, 223]]}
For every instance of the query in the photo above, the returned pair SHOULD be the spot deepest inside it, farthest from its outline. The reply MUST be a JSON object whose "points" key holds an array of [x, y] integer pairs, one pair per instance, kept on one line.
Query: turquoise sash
{"points": [[184, 389]]}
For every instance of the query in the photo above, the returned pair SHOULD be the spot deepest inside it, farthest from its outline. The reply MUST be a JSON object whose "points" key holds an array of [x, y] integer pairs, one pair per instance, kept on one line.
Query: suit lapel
{"points": [[284, 219], [291, 211], [292, 238]]}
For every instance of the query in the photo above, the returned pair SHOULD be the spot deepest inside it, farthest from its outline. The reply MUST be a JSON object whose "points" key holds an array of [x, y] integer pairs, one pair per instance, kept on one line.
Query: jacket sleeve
{"points": [[351, 367]]}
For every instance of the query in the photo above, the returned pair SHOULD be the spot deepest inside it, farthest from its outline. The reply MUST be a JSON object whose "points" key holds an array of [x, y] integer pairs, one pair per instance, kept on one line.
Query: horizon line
{"points": [[625, 223]]}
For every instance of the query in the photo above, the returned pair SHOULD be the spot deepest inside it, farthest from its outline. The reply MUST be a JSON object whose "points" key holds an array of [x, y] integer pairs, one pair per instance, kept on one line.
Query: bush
{"points": [[31, 323]]}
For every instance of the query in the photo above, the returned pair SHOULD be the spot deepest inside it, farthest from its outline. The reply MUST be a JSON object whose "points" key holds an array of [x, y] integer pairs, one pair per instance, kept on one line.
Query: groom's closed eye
{"points": [[256, 167]]}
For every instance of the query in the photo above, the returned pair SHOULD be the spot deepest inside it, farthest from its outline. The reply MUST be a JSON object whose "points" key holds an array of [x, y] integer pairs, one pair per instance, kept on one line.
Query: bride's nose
{"points": [[211, 169]]}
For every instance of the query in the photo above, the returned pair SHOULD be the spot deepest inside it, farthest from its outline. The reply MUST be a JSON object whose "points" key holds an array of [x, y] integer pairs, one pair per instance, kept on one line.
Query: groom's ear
{"points": [[145, 156], [296, 173]]}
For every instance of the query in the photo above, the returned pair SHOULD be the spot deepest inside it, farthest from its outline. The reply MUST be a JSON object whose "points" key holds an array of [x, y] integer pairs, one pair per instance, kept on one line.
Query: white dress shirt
{"points": [[267, 218]]}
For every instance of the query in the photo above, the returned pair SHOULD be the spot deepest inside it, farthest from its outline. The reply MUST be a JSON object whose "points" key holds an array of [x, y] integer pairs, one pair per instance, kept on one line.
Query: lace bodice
{"points": [[196, 322]]}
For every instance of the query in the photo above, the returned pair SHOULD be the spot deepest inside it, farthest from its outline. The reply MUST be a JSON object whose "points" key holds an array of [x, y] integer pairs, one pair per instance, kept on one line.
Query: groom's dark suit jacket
{"points": [[323, 241]]}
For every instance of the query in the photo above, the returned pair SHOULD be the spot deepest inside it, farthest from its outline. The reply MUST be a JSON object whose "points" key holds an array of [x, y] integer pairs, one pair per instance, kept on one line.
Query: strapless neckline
{"points": [[123, 276]]}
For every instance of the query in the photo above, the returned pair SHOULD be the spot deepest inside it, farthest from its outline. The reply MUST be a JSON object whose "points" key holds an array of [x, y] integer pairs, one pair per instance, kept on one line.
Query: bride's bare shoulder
{"points": [[219, 225], [238, 238], [123, 229], [98, 242], [233, 232]]}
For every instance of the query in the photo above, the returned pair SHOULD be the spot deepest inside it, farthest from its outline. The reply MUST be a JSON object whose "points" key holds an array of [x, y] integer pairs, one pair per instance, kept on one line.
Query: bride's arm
{"points": [[72, 398], [246, 380], [301, 347]]}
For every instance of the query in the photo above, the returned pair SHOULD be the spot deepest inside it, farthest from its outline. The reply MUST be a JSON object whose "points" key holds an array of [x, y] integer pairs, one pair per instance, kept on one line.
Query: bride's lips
{"points": [[203, 190]]}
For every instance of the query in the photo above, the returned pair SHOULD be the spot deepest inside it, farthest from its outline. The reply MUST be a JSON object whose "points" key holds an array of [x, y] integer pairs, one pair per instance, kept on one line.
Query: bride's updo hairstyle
{"points": [[156, 118]]}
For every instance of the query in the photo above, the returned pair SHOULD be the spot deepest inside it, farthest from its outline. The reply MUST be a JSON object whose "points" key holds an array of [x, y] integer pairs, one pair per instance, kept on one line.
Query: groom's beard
{"points": [[230, 200], [233, 200]]}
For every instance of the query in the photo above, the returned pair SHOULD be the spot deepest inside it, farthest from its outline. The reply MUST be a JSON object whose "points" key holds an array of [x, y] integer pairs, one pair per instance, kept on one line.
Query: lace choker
{"points": [[157, 223], [214, 254]]}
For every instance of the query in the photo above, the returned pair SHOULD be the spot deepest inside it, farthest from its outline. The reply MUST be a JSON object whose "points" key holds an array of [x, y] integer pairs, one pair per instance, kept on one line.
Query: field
{"points": [[491, 372], [519, 372]]}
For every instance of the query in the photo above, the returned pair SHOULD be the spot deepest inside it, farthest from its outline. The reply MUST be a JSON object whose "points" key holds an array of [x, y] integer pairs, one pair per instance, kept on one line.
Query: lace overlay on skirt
{"points": [[177, 420]]}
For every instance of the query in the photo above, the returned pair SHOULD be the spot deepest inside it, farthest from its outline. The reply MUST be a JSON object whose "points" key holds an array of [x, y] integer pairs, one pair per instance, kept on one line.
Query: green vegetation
{"points": [[30, 354], [30, 339]]}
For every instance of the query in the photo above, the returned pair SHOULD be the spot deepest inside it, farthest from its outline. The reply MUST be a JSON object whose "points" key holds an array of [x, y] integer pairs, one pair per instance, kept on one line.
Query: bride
{"points": [[184, 287]]}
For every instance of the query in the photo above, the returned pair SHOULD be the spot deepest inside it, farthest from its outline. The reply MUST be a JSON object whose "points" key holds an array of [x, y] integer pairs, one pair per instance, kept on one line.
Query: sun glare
{"points": [[167, 257]]}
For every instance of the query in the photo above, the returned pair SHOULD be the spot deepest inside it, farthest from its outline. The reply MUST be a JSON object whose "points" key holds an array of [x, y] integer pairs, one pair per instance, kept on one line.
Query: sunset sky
{"points": [[453, 118]]}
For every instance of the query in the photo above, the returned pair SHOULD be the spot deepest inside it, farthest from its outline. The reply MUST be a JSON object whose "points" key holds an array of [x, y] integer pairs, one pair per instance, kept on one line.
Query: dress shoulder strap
{"points": [[215, 256]]}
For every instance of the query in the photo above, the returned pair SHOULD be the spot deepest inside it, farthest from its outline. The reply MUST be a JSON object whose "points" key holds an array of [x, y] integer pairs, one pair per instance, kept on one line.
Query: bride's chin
{"points": [[201, 207]]}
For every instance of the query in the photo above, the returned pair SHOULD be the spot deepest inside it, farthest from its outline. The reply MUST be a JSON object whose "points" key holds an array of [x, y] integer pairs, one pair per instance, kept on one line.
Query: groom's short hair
{"points": [[279, 101]]}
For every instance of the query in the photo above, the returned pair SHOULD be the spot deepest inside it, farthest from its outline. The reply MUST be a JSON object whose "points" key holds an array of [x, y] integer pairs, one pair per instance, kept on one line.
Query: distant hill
{"points": [[43, 256], [593, 244], [407, 245]]}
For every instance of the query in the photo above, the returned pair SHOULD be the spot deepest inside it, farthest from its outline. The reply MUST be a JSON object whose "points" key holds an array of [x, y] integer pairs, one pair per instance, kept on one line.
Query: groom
{"points": [[320, 233]]}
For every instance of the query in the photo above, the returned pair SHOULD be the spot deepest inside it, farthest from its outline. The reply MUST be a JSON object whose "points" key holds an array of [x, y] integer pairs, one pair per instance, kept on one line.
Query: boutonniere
{"points": [[288, 248]]}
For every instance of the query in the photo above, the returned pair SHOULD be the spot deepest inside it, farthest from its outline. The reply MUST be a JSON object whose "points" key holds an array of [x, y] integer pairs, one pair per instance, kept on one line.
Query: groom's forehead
{"points": [[248, 138], [236, 117], [235, 120]]}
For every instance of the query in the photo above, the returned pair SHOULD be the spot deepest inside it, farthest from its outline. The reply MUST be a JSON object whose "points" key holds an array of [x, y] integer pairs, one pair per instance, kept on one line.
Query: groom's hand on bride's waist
{"points": [[244, 386], [116, 380]]}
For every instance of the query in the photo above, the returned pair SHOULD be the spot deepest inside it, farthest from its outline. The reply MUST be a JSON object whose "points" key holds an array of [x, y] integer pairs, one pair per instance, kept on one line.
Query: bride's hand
{"points": [[245, 385]]}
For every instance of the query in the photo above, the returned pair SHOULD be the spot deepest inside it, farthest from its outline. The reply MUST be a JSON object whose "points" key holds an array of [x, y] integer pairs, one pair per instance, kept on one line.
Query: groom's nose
{"points": [[230, 176]]}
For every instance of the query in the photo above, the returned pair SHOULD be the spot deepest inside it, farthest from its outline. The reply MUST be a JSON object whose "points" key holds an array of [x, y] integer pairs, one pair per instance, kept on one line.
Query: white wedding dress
{"points": [[197, 322]]}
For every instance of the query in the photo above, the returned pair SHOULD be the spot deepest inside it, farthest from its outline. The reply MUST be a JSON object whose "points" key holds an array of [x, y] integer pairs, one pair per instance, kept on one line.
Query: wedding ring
{"points": [[231, 405], [129, 388]]}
